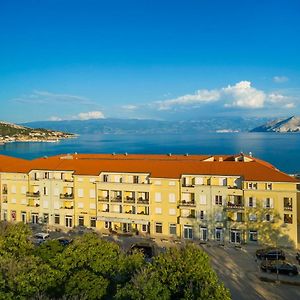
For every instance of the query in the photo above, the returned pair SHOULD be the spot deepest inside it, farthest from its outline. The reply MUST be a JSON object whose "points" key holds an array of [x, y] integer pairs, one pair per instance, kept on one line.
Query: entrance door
{"points": [[69, 221], [188, 232], [34, 218], [235, 236], [127, 227], [219, 234], [203, 233]]}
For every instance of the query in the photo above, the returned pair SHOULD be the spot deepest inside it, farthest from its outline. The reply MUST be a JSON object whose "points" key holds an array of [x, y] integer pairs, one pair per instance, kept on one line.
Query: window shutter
{"points": [[271, 202], [254, 202]]}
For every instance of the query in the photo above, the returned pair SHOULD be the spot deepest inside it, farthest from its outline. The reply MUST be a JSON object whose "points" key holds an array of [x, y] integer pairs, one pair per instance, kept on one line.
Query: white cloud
{"points": [[53, 118], [89, 115], [129, 107], [289, 105], [44, 97], [200, 96], [277, 98], [280, 79], [244, 95]]}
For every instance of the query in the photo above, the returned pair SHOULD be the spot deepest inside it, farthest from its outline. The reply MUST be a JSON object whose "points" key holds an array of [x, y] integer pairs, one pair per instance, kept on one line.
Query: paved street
{"points": [[239, 271]]}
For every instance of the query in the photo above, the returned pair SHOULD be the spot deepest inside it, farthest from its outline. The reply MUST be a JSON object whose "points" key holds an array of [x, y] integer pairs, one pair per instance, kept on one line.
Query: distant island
{"points": [[283, 125], [10, 132]]}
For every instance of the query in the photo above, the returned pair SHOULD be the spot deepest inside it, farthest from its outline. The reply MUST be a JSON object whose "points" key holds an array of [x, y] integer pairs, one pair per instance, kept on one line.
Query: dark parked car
{"points": [[270, 254], [282, 266], [64, 241]]}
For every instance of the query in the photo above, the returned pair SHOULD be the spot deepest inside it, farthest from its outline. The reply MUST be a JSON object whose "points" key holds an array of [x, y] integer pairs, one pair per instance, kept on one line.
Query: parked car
{"points": [[40, 238], [65, 241], [270, 254], [282, 267]]}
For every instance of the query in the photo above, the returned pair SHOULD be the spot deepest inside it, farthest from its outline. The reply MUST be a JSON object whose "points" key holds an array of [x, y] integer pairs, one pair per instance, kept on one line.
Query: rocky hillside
{"points": [[10, 132], [291, 124]]}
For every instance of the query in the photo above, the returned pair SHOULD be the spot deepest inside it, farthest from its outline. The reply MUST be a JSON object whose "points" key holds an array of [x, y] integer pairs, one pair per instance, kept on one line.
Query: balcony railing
{"points": [[187, 203], [33, 204], [143, 201], [33, 194], [66, 196], [190, 216], [288, 207], [67, 207], [129, 200], [116, 199], [103, 199], [234, 205]]}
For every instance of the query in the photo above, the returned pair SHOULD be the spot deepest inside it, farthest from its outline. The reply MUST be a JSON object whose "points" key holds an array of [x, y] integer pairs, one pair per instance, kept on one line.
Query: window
{"points": [[218, 217], [253, 235], [288, 219], [135, 179], [23, 190], [252, 217], [157, 182], [198, 180], [69, 221], [203, 199], [93, 222], [172, 229], [268, 186], [13, 215], [56, 191], [251, 202], [56, 205], [107, 225], [172, 183], [13, 189], [157, 197], [268, 203], [172, 198], [80, 193], [81, 220], [24, 217], [34, 218], [92, 205], [13, 200], [46, 218], [223, 181], [239, 217], [219, 234], [172, 211], [203, 233], [187, 232], [45, 204], [80, 179], [80, 204], [45, 191], [46, 175], [288, 203], [158, 210], [105, 178], [56, 219], [218, 200], [252, 186], [202, 215], [268, 217], [144, 228], [158, 227]]}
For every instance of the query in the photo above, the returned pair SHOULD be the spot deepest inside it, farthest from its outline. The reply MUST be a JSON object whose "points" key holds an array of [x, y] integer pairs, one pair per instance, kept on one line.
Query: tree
{"points": [[177, 274]]}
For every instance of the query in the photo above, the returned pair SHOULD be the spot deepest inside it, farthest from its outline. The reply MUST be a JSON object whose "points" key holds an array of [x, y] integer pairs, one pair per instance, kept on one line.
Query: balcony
{"points": [[66, 196], [143, 201], [186, 203], [116, 199], [288, 207], [129, 200], [33, 204], [103, 199], [235, 205], [33, 194]]}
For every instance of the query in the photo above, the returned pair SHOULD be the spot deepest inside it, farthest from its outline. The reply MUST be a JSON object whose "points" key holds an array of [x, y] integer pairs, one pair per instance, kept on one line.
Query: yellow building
{"points": [[235, 199]]}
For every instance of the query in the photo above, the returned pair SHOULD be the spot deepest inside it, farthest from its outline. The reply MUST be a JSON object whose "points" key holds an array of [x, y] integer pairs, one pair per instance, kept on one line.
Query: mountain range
{"points": [[291, 124], [138, 126]]}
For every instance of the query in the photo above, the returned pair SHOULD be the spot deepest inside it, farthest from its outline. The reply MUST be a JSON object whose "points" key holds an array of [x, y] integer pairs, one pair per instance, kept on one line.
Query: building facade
{"points": [[235, 199]]}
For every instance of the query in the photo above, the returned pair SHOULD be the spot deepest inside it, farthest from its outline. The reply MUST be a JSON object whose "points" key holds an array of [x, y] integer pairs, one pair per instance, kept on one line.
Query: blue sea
{"points": [[282, 150]]}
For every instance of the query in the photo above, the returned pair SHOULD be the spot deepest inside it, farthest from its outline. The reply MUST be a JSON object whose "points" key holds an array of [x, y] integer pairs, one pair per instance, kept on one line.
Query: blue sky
{"points": [[82, 59]]}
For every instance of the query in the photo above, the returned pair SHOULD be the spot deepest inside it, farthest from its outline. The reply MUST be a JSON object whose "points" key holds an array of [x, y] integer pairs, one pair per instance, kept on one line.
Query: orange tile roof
{"points": [[158, 166]]}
